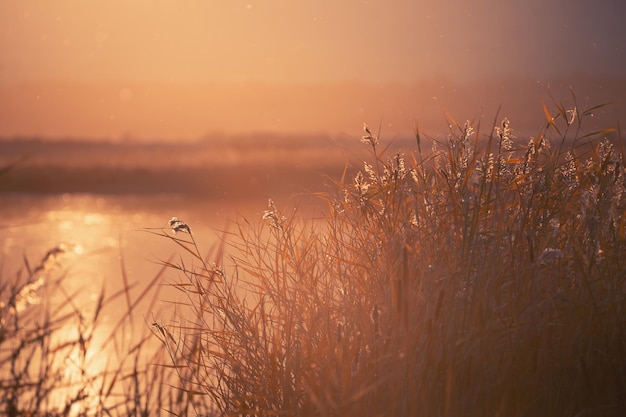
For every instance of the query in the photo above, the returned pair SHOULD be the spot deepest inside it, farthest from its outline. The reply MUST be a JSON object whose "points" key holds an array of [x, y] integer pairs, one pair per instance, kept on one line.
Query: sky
{"points": [[135, 67]]}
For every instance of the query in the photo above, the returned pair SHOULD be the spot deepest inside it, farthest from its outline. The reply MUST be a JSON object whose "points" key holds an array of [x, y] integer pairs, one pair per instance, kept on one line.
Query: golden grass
{"points": [[485, 277], [60, 357]]}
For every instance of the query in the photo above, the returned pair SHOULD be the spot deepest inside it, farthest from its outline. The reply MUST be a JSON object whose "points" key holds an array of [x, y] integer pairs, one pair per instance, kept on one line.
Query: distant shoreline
{"points": [[191, 111], [228, 169], [233, 182]]}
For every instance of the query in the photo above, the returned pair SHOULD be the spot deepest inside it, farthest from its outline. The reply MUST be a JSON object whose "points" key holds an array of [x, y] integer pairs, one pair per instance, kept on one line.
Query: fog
{"points": [[171, 70]]}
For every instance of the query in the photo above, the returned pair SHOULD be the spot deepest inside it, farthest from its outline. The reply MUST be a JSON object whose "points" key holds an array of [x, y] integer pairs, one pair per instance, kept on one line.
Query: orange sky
{"points": [[165, 68]]}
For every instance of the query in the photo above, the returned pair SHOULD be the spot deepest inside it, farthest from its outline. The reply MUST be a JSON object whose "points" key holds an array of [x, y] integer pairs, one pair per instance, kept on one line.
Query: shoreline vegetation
{"points": [[477, 274], [238, 167]]}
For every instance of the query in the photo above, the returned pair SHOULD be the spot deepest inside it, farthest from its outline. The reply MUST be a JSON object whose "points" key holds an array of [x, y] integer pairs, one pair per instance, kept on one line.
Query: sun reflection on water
{"points": [[79, 240], [90, 250]]}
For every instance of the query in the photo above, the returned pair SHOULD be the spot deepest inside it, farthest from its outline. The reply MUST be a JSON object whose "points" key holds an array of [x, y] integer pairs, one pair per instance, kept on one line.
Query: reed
{"points": [[483, 277], [59, 356]]}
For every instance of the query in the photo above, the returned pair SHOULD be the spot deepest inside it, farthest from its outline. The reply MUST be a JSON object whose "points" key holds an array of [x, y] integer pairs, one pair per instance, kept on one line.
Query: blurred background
{"points": [[187, 70]]}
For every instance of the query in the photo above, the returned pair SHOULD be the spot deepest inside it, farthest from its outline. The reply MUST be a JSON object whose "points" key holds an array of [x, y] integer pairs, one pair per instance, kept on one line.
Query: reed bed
{"points": [[484, 276], [476, 274]]}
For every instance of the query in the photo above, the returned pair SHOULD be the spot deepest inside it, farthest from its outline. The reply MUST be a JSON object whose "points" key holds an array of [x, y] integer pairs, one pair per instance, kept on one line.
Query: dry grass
{"points": [[485, 277], [59, 356], [482, 277]]}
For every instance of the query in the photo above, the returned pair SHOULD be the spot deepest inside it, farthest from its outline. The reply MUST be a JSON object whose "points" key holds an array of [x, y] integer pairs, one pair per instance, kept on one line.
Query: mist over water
{"points": [[114, 118], [92, 204], [192, 111]]}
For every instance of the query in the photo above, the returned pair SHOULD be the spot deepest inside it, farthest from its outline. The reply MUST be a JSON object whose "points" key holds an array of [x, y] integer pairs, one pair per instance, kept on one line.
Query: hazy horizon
{"points": [[186, 70], [195, 111]]}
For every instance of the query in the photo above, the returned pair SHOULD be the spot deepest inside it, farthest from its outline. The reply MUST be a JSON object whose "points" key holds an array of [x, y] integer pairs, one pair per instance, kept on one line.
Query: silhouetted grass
{"points": [[483, 277], [60, 357]]}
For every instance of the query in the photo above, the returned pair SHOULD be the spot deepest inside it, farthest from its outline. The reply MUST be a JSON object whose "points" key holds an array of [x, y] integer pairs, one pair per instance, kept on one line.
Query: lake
{"points": [[103, 240], [100, 231], [85, 213]]}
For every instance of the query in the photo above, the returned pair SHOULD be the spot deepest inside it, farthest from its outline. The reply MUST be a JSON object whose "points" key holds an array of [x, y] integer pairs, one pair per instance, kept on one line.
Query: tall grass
{"points": [[482, 277], [63, 354]]}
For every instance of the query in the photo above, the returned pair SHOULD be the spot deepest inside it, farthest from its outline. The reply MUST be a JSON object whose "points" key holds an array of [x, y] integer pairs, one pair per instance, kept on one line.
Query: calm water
{"points": [[103, 239], [101, 236], [101, 229], [88, 209]]}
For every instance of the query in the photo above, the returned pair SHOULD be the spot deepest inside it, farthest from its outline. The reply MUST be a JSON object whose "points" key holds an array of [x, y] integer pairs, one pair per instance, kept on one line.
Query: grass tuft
{"points": [[485, 277]]}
